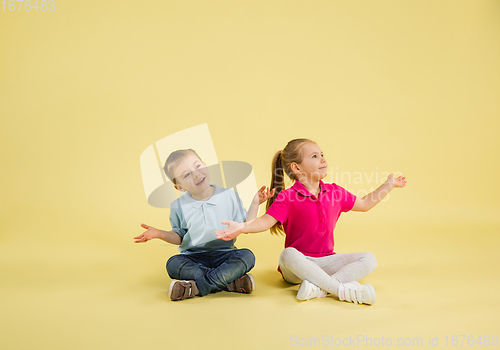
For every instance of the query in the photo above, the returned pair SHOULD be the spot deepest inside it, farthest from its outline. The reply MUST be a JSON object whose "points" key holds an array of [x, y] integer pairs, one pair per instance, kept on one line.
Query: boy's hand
{"points": [[263, 194], [396, 182], [150, 234], [232, 231]]}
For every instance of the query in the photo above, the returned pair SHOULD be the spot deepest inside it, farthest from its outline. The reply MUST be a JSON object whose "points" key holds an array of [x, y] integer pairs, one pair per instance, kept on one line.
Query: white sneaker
{"points": [[307, 291], [356, 293]]}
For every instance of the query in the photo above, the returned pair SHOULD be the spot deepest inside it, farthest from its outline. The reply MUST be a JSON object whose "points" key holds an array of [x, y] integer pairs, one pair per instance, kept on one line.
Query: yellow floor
{"points": [[381, 86], [432, 281]]}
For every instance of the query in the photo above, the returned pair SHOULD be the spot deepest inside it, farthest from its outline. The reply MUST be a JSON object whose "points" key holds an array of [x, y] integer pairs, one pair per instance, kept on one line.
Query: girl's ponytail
{"points": [[281, 165], [278, 183]]}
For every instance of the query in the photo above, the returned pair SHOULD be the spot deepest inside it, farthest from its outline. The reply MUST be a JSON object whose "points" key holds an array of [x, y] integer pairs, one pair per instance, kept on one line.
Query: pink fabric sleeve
{"points": [[279, 208], [346, 199]]}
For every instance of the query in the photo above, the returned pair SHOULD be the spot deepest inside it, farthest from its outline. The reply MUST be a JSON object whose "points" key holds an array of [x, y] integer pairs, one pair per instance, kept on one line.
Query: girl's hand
{"points": [[396, 182], [232, 231], [148, 235], [264, 194]]}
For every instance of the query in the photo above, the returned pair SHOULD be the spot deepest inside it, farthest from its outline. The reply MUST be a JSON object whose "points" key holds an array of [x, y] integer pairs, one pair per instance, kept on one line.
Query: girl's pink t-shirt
{"points": [[308, 220]]}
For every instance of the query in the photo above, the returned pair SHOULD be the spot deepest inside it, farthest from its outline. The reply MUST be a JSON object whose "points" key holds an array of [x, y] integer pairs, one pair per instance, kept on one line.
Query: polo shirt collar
{"points": [[300, 188], [197, 204]]}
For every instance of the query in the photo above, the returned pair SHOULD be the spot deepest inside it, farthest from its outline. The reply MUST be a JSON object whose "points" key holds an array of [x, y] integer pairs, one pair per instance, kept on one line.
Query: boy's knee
{"points": [[173, 265], [173, 260], [248, 257]]}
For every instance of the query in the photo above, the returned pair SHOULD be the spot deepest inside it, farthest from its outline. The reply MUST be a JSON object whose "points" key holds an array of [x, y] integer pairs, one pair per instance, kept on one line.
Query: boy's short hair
{"points": [[174, 159]]}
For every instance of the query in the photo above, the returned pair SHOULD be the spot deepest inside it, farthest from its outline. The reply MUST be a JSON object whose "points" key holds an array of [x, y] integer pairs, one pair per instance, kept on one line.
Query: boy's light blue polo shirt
{"points": [[196, 221]]}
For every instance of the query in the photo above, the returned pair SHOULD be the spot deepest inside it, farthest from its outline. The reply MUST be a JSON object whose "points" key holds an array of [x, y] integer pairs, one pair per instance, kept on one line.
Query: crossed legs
{"points": [[212, 271], [326, 272]]}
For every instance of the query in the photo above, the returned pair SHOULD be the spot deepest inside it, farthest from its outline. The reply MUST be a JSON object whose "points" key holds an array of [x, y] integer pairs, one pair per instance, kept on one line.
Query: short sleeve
{"points": [[239, 211], [175, 221], [279, 208], [346, 199]]}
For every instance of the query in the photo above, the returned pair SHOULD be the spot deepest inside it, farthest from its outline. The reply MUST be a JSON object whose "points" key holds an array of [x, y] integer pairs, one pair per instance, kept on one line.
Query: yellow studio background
{"points": [[387, 86]]}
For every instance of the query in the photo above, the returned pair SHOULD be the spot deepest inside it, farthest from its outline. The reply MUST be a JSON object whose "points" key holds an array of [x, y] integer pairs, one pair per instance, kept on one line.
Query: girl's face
{"points": [[313, 166]]}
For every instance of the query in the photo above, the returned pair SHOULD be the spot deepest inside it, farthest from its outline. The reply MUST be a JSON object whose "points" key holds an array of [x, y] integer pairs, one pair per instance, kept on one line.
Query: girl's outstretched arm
{"points": [[234, 229], [373, 198]]}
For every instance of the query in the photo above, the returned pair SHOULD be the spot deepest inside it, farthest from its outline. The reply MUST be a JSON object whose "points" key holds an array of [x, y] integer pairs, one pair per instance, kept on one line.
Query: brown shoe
{"points": [[243, 284], [180, 290]]}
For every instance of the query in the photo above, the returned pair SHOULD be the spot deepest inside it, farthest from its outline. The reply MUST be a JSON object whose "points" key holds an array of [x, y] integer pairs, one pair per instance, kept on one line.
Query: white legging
{"points": [[326, 272]]}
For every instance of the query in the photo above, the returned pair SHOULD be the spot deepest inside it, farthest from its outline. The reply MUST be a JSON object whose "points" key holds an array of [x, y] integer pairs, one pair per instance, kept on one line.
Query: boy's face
{"points": [[191, 175]]}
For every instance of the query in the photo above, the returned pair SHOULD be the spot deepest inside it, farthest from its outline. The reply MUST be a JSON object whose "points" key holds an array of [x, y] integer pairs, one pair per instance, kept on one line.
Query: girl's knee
{"points": [[287, 257], [288, 254], [370, 259]]}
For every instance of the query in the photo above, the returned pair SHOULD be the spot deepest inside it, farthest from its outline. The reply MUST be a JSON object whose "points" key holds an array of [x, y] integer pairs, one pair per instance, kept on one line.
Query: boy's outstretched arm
{"points": [[260, 197], [234, 229], [373, 198], [151, 233]]}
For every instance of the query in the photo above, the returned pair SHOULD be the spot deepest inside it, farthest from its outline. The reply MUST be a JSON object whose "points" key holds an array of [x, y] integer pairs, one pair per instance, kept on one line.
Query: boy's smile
{"points": [[192, 176]]}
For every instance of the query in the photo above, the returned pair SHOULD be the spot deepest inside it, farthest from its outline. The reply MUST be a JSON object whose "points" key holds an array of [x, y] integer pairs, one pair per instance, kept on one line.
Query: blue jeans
{"points": [[212, 271]]}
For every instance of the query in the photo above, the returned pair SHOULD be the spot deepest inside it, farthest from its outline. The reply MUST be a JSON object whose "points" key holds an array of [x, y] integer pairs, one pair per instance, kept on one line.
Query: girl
{"points": [[307, 213]]}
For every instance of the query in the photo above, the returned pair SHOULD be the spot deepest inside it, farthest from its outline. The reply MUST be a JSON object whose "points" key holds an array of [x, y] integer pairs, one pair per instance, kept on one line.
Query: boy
{"points": [[206, 264]]}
